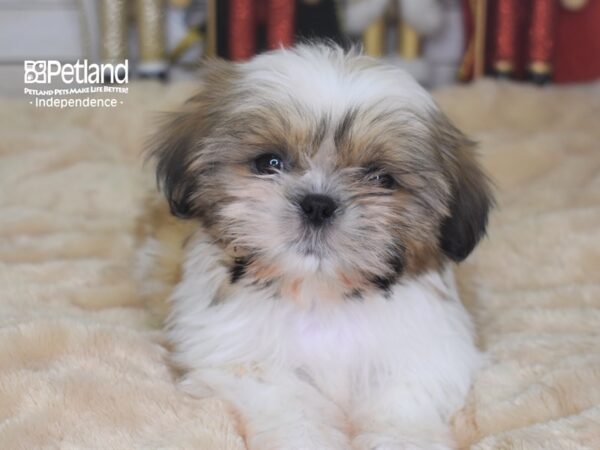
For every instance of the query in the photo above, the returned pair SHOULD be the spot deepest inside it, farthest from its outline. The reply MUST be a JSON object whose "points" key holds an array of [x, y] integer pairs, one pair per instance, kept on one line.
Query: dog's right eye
{"points": [[268, 163]]}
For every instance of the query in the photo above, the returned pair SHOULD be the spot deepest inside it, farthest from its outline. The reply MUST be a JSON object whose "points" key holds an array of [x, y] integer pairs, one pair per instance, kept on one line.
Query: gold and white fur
{"points": [[345, 335]]}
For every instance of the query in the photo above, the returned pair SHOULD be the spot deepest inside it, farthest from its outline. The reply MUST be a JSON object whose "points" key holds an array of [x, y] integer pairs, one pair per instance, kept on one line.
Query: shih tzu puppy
{"points": [[331, 197]]}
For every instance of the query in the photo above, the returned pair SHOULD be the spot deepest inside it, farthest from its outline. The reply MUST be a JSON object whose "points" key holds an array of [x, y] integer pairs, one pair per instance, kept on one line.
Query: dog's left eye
{"points": [[383, 180], [268, 163]]}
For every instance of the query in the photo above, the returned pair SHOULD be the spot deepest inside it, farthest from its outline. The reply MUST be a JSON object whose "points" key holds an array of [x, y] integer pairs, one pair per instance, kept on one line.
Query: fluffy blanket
{"points": [[83, 362]]}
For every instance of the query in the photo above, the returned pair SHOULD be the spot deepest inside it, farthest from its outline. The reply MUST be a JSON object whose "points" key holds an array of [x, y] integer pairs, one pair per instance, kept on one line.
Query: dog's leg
{"points": [[276, 410], [403, 418]]}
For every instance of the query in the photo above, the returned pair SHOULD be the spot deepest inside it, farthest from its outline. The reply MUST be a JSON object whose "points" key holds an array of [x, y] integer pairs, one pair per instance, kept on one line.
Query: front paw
{"points": [[375, 441]]}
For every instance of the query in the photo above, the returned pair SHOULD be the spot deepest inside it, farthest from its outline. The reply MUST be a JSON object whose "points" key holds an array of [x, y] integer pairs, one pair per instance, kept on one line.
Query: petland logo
{"points": [[82, 72], [84, 85]]}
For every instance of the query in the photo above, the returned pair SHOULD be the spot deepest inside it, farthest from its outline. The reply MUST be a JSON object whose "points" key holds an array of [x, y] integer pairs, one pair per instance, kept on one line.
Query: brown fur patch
{"points": [[436, 209]]}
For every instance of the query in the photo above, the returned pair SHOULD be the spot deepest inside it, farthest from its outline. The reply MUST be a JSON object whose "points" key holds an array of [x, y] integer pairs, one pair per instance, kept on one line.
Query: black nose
{"points": [[318, 208]]}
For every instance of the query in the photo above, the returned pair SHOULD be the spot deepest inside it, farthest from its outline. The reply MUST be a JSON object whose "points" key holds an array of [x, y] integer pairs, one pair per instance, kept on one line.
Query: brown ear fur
{"points": [[177, 146], [470, 189]]}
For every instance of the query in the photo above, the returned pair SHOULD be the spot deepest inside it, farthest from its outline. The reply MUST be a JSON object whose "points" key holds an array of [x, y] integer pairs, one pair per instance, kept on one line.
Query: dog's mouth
{"points": [[312, 246]]}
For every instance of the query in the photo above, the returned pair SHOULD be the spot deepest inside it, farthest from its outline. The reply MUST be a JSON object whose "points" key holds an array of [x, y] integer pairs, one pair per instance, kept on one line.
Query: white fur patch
{"points": [[325, 79], [407, 359], [308, 366]]}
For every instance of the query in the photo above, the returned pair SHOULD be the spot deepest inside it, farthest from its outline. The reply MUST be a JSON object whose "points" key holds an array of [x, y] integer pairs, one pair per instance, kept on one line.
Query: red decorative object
{"points": [[246, 15], [523, 36], [542, 36], [544, 39], [577, 49], [280, 23], [505, 42], [242, 29]]}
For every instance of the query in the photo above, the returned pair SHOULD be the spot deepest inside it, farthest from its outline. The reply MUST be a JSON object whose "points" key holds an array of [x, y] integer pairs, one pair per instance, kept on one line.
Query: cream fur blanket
{"points": [[83, 363]]}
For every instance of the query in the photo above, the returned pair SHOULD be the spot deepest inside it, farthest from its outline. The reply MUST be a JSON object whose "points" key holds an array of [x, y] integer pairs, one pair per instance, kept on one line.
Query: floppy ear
{"points": [[174, 148], [178, 146], [471, 196]]}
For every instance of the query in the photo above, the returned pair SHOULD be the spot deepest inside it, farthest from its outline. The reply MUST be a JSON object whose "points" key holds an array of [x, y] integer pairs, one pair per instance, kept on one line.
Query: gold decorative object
{"points": [[210, 49], [408, 41], [151, 32], [374, 38], [573, 5], [113, 30], [480, 8]]}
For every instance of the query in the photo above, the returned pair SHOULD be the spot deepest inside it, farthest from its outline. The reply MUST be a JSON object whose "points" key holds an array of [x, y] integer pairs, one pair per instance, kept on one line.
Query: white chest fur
{"points": [[418, 335]]}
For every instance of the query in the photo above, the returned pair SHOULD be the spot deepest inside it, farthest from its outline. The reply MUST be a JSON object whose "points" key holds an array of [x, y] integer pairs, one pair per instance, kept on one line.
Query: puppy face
{"points": [[313, 162]]}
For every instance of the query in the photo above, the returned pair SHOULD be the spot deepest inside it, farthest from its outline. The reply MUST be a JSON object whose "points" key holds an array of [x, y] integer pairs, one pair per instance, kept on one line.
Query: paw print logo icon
{"points": [[35, 72]]}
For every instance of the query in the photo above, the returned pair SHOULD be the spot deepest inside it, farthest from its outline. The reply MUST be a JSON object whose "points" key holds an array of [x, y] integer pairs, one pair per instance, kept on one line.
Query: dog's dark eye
{"points": [[381, 179], [268, 163]]}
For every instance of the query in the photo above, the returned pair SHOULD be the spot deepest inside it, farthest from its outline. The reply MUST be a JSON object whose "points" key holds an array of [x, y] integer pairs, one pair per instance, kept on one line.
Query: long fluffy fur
{"points": [[346, 335]]}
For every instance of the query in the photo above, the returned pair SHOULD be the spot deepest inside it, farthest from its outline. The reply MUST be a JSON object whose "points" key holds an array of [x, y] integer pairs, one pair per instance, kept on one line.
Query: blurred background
{"points": [[83, 363], [438, 41]]}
